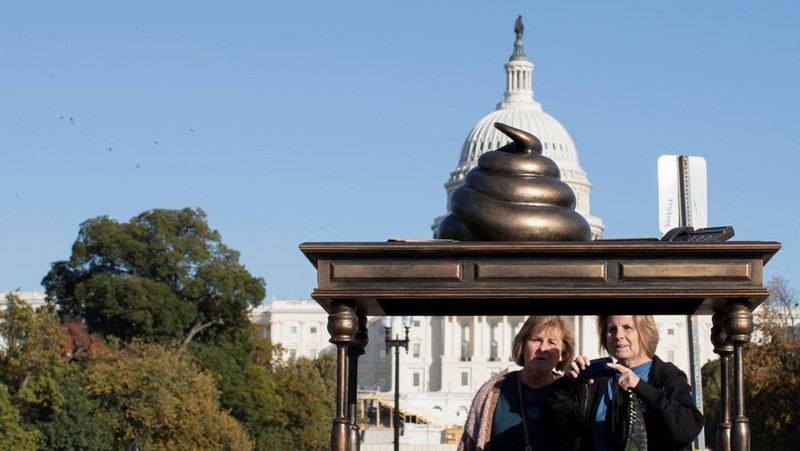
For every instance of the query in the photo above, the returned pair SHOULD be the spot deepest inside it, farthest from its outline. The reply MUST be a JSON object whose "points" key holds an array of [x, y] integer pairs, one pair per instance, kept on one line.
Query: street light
{"points": [[396, 343]]}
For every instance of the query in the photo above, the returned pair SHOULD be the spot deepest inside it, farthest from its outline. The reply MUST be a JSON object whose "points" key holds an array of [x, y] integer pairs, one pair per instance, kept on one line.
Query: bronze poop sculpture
{"points": [[514, 194]]}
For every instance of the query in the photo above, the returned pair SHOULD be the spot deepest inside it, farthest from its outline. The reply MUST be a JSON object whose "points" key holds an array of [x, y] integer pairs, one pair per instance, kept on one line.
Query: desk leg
{"points": [[738, 323], [342, 327], [355, 351]]}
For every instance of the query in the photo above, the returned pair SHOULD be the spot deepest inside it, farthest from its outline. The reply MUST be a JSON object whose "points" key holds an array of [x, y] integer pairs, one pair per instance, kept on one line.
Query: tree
{"points": [[772, 371], [45, 391], [80, 423], [308, 400], [247, 385], [14, 435], [158, 398], [711, 400], [163, 276], [283, 405], [771, 374], [32, 359], [79, 344]]}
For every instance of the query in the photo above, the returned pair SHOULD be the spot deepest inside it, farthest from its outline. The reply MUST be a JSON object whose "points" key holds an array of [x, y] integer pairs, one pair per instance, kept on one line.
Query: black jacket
{"points": [[670, 416]]}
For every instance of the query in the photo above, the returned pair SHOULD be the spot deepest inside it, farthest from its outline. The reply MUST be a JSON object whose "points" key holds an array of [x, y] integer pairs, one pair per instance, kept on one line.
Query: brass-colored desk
{"points": [[432, 277]]}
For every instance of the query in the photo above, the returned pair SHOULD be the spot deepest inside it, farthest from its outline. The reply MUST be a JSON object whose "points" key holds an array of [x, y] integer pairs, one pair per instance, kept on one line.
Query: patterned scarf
{"points": [[636, 439]]}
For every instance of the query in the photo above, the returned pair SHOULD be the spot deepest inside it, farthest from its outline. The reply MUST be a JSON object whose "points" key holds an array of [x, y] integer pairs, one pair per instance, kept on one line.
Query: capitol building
{"points": [[450, 357]]}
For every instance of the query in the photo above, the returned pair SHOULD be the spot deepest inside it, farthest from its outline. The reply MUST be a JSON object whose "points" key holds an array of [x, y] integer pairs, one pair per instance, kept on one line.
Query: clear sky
{"points": [[300, 121]]}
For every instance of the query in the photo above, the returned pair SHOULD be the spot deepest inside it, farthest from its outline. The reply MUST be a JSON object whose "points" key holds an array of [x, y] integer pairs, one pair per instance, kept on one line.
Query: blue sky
{"points": [[290, 122]]}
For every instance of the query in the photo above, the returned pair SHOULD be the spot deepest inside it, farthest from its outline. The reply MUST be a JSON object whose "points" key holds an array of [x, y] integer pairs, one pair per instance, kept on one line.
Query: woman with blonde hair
{"points": [[506, 411], [639, 403]]}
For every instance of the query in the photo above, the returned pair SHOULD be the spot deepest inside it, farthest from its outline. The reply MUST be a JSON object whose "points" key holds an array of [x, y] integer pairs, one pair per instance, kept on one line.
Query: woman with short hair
{"points": [[646, 404], [506, 413]]}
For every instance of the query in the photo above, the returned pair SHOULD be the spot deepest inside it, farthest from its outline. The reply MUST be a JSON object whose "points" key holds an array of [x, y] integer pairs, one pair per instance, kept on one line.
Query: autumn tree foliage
{"points": [[41, 389], [308, 394], [156, 397], [79, 344], [771, 374]]}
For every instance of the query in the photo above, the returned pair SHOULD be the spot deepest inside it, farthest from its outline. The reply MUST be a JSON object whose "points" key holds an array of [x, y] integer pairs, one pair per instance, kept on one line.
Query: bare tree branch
{"points": [[25, 380], [196, 329]]}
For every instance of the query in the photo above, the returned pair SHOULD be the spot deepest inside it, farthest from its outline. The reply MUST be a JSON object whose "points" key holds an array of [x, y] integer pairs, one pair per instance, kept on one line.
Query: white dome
{"points": [[520, 110]]}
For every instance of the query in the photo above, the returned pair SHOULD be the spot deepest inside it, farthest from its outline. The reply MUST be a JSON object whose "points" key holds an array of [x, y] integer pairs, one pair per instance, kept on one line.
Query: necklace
{"points": [[523, 413]]}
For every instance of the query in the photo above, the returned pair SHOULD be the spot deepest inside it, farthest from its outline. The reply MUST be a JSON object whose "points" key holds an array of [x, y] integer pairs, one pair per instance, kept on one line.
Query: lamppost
{"points": [[396, 343]]}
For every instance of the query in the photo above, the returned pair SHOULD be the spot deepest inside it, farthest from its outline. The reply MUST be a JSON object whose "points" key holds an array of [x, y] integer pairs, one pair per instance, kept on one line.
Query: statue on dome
{"points": [[519, 28]]}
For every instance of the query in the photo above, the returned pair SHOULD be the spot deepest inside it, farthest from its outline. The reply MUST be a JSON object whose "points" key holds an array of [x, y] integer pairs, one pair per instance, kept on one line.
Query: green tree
{"points": [[14, 436], [711, 400], [163, 276], [308, 403], [32, 358], [283, 405], [326, 366], [80, 423], [247, 389], [160, 399]]}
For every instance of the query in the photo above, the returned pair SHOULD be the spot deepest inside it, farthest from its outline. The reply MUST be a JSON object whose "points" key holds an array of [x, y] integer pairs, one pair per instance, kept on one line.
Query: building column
{"points": [[456, 344], [275, 331], [447, 338], [481, 338], [504, 347]]}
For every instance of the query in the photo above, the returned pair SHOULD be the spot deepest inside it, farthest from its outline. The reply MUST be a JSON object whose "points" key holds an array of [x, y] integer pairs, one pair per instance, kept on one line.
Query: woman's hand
{"points": [[579, 364], [627, 378]]}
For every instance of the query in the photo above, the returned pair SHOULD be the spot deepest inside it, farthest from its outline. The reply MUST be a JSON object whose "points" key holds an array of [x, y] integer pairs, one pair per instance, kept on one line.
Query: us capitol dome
{"points": [[519, 109]]}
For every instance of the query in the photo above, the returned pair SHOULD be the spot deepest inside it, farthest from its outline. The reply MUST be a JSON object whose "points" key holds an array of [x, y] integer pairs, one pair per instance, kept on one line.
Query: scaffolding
{"points": [[377, 412]]}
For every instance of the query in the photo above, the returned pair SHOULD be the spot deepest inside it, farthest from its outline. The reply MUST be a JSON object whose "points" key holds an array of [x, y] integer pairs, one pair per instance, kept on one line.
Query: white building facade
{"points": [[36, 299], [299, 326]]}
